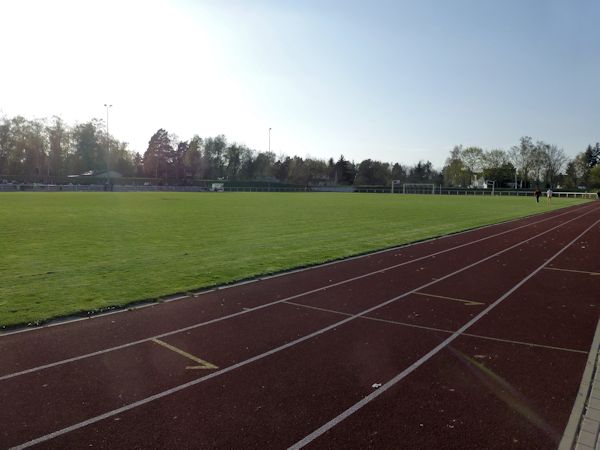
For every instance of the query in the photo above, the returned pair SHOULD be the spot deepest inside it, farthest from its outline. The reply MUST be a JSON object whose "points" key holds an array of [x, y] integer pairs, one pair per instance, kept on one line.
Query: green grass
{"points": [[62, 253]]}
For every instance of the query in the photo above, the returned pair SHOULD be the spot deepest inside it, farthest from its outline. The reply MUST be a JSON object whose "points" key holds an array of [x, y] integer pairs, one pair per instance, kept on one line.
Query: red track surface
{"points": [[470, 341]]}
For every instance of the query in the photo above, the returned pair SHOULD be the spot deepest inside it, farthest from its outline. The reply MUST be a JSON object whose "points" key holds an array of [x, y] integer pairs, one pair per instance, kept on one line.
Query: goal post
{"points": [[413, 188]]}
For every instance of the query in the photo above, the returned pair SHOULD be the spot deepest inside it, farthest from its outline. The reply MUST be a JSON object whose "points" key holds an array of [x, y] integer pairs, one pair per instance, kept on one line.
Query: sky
{"points": [[396, 81]]}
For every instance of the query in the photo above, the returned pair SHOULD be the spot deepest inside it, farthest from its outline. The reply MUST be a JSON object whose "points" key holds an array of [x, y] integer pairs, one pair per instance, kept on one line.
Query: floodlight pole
{"points": [[107, 147], [269, 139]]}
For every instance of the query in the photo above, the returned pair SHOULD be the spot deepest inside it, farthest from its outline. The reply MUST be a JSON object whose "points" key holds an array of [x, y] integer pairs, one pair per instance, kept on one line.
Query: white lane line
{"points": [[348, 412], [547, 216], [442, 330], [266, 305], [288, 345]]}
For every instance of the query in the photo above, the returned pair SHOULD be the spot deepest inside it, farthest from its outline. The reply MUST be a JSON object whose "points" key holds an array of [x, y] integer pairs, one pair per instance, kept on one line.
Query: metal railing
{"points": [[375, 190]]}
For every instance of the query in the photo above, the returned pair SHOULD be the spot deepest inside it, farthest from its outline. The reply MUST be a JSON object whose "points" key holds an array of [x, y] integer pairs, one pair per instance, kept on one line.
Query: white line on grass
{"points": [[302, 339], [348, 412], [266, 305]]}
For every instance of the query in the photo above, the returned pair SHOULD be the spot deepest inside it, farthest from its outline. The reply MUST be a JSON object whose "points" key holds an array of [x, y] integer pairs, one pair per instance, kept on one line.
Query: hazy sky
{"points": [[397, 81]]}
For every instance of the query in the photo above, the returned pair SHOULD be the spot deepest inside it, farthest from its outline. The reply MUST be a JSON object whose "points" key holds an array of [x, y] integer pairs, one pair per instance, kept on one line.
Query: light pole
{"points": [[107, 148], [269, 139]]}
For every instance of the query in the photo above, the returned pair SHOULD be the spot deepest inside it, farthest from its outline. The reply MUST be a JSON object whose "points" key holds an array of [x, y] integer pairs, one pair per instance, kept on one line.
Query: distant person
{"points": [[549, 196], [537, 194]]}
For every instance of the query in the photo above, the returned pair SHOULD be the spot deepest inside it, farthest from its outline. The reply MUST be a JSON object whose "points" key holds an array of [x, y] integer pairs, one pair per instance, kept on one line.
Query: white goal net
{"points": [[413, 188]]}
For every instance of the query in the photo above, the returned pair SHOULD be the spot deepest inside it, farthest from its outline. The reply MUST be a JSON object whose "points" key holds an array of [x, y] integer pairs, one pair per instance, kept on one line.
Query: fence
{"points": [[52, 187], [518, 193], [362, 189]]}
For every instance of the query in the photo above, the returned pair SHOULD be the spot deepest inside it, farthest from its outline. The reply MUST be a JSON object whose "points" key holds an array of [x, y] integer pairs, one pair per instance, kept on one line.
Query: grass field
{"points": [[63, 253]]}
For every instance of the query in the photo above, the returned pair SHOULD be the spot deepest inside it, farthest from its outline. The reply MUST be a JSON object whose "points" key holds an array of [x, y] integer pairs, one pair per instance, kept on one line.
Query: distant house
{"points": [[477, 181], [109, 174], [91, 173]]}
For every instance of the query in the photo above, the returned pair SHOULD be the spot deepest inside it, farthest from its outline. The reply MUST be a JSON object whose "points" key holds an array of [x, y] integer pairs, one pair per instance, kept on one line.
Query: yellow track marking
{"points": [[203, 364], [466, 302], [574, 271]]}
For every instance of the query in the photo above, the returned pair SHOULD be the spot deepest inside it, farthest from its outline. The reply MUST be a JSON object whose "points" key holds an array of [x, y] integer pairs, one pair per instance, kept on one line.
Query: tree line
{"points": [[527, 164], [49, 149]]}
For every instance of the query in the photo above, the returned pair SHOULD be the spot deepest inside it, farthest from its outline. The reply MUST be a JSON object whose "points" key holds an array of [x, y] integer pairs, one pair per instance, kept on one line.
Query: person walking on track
{"points": [[537, 194], [549, 196]]}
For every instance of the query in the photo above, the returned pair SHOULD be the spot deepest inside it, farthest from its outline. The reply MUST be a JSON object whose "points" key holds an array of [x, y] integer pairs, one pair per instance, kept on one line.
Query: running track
{"points": [[475, 340]]}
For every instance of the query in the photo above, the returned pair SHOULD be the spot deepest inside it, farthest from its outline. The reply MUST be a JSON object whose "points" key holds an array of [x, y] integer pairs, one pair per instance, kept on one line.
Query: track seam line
{"points": [[585, 272], [305, 338], [442, 330], [302, 294], [360, 404], [570, 209], [461, 300]]}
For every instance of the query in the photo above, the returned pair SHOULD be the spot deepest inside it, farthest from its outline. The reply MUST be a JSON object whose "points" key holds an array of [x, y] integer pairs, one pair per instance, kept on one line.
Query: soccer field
{"points": [[64, 253]]}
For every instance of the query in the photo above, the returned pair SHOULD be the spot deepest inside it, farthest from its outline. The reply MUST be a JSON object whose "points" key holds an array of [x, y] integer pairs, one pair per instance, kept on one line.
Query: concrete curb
{"points": [[583, 429]]}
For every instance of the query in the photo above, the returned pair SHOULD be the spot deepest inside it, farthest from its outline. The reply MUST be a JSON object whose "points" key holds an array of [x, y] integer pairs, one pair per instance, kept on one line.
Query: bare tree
{"points": [[472, 158], [495, 158], [555, 162], [537, 161], [521, 157]]}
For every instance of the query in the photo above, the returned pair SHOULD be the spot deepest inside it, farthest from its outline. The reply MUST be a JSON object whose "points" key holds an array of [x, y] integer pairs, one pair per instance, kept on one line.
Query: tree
{"points": [[138, 164], [192, 160], [472, 158], [89, 152], [399, 173], [5, 145], [177, 160], [35, 151], [520, 156], [157, 156], [317, 171], [281, 168], [502, 175], [555, 160], [233, 161], [58, 137], [578, 170], [592, 155], [24, 146], [594, 177], [214, 150], [422, 173], [345, 171], [455, 173], [372, 172], [495, 159], [298, 172], [331, 173], [537, 162], [263, 165]]}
